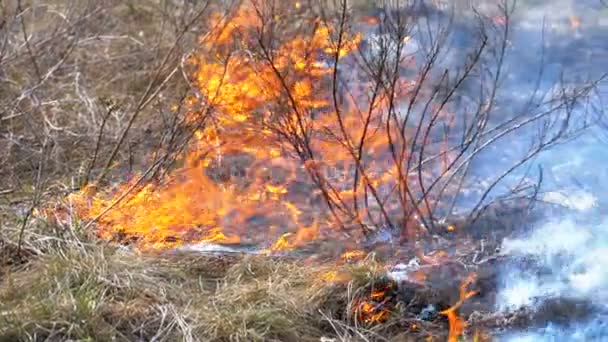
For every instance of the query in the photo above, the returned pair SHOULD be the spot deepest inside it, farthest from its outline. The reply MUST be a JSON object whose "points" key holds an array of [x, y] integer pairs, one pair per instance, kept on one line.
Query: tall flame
{"points": [[245, 176]]}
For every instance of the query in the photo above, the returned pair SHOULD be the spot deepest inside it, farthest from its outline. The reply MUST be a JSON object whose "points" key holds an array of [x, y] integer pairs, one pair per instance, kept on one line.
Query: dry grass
{"points": [[73, 73], [87, 295], [66, 285], [98, 293]]}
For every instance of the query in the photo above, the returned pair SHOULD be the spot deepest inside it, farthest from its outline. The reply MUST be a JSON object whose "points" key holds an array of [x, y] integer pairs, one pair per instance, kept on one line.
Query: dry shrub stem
{"points": [[56, 40], [150, 93]]}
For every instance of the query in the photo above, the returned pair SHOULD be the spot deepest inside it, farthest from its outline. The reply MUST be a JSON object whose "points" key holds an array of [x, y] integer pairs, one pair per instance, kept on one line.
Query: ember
{"points": [[575, 22], [377, 307], [370, 313]]}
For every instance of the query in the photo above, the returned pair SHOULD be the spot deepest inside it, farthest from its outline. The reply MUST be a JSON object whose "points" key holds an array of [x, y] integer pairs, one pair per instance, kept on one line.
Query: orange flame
{"points": [[457, 325], [375, 308], [353, 255], [369, 313], [369, 20], [336, 277], [282, 244], [239, 176]]}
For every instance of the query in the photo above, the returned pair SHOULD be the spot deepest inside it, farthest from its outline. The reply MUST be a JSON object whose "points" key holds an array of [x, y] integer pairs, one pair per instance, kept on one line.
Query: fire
{"points": [[334, 276], [370, 313], [282, 157], [499, 20], [191, 206], [276, 189], [370, 20], [282, 244], [376, 308], [457, 325], [280, 146]]}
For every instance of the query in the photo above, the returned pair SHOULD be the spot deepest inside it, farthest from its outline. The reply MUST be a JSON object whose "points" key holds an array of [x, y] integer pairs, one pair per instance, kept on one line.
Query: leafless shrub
{"points": [[86, 87], [77, 76], [436, 117]]}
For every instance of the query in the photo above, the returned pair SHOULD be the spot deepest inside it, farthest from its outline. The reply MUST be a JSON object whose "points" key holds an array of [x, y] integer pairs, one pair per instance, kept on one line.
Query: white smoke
{"points": [[595, 330], [566, 256], [569, 261], [573, 256]]}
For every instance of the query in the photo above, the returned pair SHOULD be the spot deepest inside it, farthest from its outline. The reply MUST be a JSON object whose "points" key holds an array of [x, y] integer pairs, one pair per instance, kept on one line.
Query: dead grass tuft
{"points": [[92, 292]]}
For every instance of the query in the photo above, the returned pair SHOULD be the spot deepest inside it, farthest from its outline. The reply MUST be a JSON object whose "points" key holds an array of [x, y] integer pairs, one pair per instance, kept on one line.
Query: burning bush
{"points": [[339, 135]]}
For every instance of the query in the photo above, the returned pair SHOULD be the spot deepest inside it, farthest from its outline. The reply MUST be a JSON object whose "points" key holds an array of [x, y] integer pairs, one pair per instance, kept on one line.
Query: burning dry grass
{"points": [[68, 286], [71, 82]]}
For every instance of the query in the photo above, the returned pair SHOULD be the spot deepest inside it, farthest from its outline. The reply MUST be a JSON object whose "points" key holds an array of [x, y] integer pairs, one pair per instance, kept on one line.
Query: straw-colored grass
{"points": [[100, 293]]}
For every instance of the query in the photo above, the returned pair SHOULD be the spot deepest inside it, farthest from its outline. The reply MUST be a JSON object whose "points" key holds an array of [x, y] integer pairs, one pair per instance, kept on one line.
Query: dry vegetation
{"points": [[96, 293]]}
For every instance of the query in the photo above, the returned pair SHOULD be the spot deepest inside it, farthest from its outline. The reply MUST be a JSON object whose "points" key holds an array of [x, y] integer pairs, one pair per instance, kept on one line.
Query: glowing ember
{"points": [[370, 313], [457, 325], [353, 255], [376, 308], [575, 22], [370, 20], [499, 20]]}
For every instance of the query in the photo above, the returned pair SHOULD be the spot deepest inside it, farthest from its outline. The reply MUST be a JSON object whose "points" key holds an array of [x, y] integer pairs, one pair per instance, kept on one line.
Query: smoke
{"points": [[593, 330], [568, 260], [565, 256]]}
